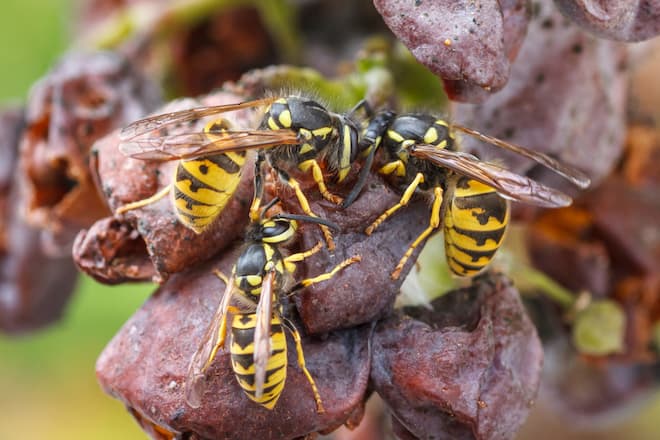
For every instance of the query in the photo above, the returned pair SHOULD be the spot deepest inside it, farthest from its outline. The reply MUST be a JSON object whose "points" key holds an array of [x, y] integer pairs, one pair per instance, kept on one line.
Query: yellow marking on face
{"points": [[285, 119], [431, 136]]}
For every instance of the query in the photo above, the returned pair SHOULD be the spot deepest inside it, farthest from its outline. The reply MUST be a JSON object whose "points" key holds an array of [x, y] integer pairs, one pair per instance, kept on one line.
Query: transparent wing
{"points": [[198, 144], [262, 333], [157, 122], [213, 340], [510, 185], [574, 175]]}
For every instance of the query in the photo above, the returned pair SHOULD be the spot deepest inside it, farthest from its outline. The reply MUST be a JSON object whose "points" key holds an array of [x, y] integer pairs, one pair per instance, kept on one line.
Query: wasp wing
{"points": [[199, 144], [570, 173], [509, 184], [262, 333], [157, 122], [213, 340]]}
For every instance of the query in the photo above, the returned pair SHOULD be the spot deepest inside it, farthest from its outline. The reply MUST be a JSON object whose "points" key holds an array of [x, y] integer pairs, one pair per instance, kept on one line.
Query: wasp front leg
{"points": [[317, 175], [324, 276], [304, 205]]}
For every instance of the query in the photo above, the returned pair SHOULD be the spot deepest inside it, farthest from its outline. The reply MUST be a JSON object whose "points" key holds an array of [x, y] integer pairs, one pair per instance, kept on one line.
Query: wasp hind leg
{"points": [[434, 223], [301, 363], [144, 202]]}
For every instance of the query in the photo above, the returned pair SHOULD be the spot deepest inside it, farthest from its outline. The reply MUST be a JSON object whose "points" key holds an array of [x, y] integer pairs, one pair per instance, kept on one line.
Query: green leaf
{"points": [[599, 329]]}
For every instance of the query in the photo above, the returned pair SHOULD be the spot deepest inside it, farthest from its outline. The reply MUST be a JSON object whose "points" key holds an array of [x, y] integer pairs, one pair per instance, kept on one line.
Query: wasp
{"points": [[469, 197], [258, 347], [295, 132], [202, 184]]}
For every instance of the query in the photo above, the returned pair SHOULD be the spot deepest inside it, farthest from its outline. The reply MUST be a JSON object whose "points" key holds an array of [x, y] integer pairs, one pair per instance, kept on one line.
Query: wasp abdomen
{"points": [[202, 187], [475, 222], [242, 358]]}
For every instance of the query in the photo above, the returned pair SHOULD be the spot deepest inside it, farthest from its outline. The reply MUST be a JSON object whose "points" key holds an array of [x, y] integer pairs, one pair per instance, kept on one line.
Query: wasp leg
{"points": [[300, 256], [317, 174], [258, 187], [222, 276], [144, 202], [324, 276], [405, 198], [304, 205], [434, 223], [364, 106], [222, 326], [301, 362]]}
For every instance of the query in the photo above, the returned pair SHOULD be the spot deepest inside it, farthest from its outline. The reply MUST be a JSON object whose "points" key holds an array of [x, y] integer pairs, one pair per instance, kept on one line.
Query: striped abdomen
{"points": [[242, 358], [474, 225], [202, 187]]}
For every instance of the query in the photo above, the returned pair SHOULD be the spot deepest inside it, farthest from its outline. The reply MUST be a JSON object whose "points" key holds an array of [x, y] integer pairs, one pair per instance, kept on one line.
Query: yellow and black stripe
{"points": [[242, 358], [474, 225], [202, 187]]}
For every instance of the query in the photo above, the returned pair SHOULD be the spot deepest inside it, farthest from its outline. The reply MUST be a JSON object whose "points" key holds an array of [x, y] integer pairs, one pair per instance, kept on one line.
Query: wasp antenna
{"points": [[267, 206], [308, 218]]}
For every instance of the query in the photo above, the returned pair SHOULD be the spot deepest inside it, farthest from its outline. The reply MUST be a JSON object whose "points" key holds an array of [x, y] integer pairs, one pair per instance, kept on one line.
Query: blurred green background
{"points": [[47, 384]]}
